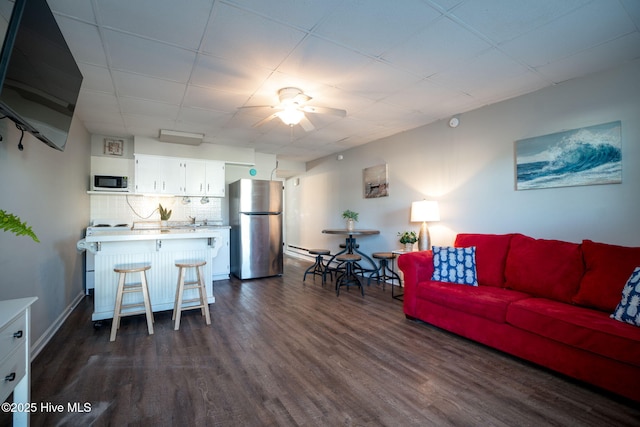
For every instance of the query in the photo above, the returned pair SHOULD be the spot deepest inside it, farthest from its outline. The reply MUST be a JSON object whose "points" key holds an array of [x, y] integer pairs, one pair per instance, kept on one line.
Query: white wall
{"points": [[47, 189], [470, 170]]}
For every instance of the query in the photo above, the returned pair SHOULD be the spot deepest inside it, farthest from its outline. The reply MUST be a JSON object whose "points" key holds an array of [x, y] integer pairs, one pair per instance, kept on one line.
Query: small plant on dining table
{"points": [[348, 214], [408, 237]]}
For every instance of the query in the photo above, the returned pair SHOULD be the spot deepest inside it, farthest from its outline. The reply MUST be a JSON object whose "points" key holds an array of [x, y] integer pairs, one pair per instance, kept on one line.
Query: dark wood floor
{"points": [[282, 352]]}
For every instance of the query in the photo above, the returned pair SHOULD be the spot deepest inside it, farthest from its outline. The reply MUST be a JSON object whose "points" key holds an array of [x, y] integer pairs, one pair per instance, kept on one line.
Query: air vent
{"points": [[178, 137]]}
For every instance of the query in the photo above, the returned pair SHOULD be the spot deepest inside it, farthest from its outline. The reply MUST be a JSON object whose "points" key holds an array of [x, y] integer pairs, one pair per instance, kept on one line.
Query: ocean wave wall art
{"points": [[585, 156]]}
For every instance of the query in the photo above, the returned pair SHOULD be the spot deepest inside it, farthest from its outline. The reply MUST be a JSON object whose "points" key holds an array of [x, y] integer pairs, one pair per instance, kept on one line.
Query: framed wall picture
{"points": [[375, 180], [113, 147], [585, 156]]}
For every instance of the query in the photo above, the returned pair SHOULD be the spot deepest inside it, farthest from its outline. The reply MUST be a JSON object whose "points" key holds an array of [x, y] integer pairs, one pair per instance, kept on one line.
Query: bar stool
{"points": [[348, 276], [319, 268], [125, 288], [203, 305], [344, 246], [383, 272]]}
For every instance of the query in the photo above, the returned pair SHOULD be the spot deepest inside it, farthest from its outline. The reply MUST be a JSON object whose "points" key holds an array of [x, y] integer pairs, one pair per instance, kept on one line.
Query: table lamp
{"points": [[423, 211]]}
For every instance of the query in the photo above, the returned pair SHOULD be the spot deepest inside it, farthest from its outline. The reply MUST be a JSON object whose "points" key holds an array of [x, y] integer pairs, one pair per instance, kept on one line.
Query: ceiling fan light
{"points": [[291, 116]]}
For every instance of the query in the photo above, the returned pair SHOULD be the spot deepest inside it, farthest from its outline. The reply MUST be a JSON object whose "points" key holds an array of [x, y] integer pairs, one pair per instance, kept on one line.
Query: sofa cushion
{"points": [[491, 255], [484, 301], [546, 268], [607, 269], [628, 309], [455, 265], [579, 327]]}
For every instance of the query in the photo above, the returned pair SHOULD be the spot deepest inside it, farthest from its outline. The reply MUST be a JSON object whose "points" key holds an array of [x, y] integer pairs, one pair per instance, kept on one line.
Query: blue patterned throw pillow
{"points": [[455, 265], [628, 309]]}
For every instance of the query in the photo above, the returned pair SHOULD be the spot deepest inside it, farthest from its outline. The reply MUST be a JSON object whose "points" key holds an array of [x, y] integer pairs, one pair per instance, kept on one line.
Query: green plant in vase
{"points": [[408, 238], [351, 217], [165, 214]]}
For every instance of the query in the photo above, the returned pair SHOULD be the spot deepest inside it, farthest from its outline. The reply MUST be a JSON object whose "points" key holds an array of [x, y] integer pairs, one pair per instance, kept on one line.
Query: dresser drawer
{"points": [[12, 369], [13, 335]]}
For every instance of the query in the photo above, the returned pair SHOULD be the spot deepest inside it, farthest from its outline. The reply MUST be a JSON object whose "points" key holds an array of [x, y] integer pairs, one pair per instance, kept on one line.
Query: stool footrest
{"points": [[191, 285], [187, 301], [131, 313], [132, 288]]}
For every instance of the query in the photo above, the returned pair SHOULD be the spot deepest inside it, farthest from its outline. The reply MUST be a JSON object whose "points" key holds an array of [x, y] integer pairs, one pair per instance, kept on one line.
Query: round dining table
{"points": [[350, 241]]}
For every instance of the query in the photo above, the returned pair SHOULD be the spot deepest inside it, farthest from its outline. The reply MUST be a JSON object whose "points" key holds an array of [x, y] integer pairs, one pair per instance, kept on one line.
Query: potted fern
{"points": [[12, 223], [351, 217], [165, 214]]}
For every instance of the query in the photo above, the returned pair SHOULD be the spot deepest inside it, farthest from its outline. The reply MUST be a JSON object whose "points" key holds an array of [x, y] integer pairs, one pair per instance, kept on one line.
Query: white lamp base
{"points": [[424, 239]]}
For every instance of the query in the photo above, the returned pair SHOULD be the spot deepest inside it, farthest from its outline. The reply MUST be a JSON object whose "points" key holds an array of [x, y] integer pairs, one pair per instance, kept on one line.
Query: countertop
{"points": [[199, 232]]}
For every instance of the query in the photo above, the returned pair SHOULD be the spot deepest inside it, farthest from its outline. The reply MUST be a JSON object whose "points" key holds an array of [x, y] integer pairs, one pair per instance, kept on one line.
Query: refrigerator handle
{"points": [[261, 213]]}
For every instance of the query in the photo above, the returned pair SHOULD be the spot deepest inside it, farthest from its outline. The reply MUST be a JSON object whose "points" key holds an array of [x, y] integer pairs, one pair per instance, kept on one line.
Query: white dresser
{"points": [[15, 318]]}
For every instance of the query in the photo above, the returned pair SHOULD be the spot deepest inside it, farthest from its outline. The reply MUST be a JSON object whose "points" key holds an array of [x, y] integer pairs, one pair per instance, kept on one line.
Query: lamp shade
{"points": [[425, 210], [291, 116]]}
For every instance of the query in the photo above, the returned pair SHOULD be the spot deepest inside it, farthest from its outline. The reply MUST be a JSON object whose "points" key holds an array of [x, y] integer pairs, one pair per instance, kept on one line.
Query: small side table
{"points": [[399, 297]]}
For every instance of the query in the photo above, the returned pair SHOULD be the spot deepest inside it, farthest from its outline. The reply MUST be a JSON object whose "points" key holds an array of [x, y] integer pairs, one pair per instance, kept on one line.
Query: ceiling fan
{"points": [[292, 109]]}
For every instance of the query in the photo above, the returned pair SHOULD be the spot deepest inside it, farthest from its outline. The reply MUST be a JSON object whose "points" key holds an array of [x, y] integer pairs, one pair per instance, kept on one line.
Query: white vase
{"points": [[408, 247], [351, 224], [164, 223]]}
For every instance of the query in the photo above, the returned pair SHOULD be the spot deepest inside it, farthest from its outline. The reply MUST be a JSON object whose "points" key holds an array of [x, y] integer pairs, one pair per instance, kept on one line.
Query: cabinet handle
{"points": [[17, 334], [10, 377]]}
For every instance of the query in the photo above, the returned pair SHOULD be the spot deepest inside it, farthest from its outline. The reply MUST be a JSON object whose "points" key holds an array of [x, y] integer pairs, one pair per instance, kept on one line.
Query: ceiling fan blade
{"points": [[265, 120], [324, 110], [306, 124]]}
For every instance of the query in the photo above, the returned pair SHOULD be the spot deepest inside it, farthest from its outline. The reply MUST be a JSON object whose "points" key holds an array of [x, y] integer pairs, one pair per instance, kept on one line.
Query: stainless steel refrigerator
{"points": [[255, 216]]}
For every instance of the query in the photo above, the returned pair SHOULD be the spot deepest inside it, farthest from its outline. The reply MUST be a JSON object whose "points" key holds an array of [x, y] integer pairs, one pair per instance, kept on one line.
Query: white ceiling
{"points": [[393, 65]]}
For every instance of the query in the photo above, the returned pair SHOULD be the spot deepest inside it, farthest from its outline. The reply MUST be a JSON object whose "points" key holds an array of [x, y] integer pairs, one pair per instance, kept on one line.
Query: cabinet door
{"points": [[172, 176], [195, 178], [215, 179], [221, 263], [159, 175], [146, 170]]}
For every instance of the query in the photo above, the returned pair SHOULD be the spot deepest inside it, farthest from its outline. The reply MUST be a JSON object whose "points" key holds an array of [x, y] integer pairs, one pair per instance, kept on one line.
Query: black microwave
{"points": [[109, 183]]}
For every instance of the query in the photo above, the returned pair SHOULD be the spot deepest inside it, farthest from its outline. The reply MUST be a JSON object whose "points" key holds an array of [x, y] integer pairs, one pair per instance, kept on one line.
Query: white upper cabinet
{"points": [[179, 176], [172, 176], [215, 179], [195, 177], [204, 178], [159, 175]]}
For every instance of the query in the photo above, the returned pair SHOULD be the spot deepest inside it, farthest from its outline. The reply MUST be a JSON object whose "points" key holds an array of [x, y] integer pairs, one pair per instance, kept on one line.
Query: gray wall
{"points": [[470, 171], [47, 189]]}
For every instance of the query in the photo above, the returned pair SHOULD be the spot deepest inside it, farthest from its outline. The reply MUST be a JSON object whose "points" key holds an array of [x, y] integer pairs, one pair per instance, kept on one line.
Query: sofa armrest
{"points": [[416, 267]]}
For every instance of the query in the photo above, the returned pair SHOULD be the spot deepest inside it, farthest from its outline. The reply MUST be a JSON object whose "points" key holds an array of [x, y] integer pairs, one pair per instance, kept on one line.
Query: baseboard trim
{"points": [[44, 339], [299, 253]]}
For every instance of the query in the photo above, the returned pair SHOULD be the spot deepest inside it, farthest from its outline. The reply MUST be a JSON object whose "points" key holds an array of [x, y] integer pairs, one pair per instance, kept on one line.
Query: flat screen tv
{"points": [[39, 78]]}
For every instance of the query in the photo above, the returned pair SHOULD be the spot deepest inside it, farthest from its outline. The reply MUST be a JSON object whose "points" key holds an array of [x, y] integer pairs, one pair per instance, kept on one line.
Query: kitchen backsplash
{"points": [[130, 209]]}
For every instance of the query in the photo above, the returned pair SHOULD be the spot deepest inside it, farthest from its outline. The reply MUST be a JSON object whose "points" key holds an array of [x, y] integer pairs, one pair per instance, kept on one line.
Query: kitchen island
{"points": [[161, 249]]}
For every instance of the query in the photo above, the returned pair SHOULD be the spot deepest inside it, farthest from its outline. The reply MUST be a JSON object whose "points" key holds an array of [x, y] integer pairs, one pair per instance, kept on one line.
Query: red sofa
{"points": [[545, 301]]}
